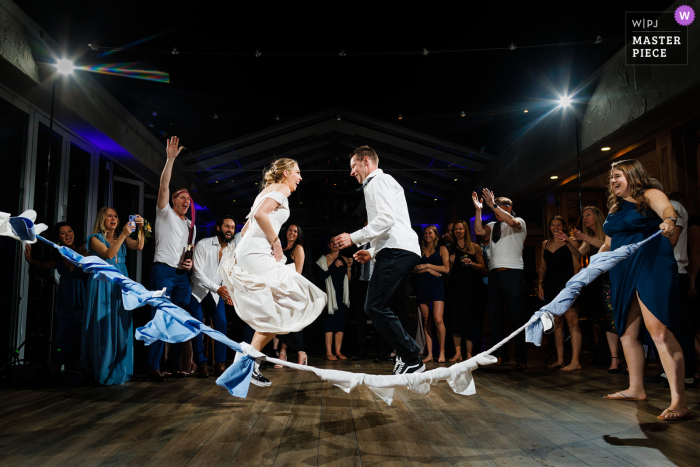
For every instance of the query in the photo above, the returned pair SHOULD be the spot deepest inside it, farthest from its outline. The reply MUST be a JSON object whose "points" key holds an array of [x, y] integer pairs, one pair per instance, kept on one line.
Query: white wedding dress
{"points": [[268, 295]]}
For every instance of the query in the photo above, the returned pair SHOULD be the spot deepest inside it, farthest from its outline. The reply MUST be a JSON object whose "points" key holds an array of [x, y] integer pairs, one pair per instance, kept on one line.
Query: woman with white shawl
{"points": [[335, 271]]}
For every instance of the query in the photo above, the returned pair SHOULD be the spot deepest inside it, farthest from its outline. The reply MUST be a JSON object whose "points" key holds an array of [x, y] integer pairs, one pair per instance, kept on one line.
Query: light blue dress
{"points": [[108, 334]]}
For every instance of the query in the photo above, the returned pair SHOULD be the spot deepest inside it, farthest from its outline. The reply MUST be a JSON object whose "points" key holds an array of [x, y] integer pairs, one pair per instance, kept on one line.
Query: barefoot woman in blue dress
{"points": [[644, 286]]}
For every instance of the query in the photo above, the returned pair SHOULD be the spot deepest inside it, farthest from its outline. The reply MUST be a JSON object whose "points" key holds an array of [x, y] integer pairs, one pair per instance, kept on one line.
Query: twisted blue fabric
{"points": [[171, 323], [600, 263]]}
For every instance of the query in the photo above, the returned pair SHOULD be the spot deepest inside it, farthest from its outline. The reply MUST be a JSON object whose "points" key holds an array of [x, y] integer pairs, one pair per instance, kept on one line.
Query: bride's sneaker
{"points": [[259, 380]]}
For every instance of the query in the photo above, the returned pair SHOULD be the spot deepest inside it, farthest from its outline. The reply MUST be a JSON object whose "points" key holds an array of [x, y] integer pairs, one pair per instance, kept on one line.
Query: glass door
{"points": [[127, 199]]}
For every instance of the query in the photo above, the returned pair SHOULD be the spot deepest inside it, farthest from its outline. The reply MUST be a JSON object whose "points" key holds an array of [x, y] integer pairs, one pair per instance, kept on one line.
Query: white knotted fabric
{"points": [[172, 324]]}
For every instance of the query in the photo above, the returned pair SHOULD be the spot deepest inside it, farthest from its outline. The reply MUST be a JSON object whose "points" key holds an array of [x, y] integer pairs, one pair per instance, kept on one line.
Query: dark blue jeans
{"points": [[508, 286], [391, 269], [177, 285], [217, 312]]}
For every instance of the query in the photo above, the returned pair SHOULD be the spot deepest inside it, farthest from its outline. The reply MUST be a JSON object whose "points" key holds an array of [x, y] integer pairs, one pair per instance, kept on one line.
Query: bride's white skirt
{"points": [[270, 296]]}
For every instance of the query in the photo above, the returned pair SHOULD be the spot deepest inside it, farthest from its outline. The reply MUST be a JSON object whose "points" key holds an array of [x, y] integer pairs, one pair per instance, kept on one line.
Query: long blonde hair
{"points": [[274, 173], [424, 244], [100, 221], [599, 221]]}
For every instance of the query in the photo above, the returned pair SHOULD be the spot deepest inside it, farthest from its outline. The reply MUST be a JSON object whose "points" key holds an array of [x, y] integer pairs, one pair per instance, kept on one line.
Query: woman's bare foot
{"points": [[628, 394], [571, 367], [441, 358], [557, 364], [469, 356], [457, 357], [427, 359]]}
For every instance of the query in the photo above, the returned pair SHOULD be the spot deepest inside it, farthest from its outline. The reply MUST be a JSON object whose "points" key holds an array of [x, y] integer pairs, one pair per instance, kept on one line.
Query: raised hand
{"points": [[578, 235], [489, 197], [173, 147], [478, 203], [561, 236], [128, 228]]}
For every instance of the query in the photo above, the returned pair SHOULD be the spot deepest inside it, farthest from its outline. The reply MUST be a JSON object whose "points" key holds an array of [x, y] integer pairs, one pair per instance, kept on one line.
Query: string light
{"points": [[400, 117], [554, 177], [606, 148], [525, 111], [424, 51], [463, 114]]}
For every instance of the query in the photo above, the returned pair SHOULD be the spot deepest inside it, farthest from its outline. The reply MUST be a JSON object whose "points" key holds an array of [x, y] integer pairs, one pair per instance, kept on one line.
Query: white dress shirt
{"points": [[508, 251], [680, 251], [206, 276], [389, 225]]}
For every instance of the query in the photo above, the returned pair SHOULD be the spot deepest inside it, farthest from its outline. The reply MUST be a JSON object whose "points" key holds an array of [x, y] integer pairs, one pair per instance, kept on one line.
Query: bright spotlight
{"points": [[564, 101], [65, 67]]}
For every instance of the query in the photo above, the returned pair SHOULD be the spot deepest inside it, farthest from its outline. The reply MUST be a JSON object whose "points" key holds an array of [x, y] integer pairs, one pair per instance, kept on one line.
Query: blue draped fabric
{"points": [[172, 324], [600, 263]]}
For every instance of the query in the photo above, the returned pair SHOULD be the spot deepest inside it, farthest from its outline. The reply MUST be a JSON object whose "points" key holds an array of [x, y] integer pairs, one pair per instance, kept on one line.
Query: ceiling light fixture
{"points": [[65, 67], [463, 114], [525, 111], [606, 148], [425, 51], [554, 177], [342, 53], [175, 51], [257, 53], [400, 117]]}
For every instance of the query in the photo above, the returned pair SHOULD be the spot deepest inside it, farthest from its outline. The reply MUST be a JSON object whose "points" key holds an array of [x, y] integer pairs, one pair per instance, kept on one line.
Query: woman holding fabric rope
{"points": [[644, 286], [268, 295], [70, 296]]}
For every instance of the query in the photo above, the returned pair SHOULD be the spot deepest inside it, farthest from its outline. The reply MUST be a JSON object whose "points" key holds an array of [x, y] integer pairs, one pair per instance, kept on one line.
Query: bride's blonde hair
{"points": [[274, 173]]}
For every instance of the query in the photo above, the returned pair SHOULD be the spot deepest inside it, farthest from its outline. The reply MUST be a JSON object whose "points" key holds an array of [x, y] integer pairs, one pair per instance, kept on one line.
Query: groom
{"points": [[394, 248]]}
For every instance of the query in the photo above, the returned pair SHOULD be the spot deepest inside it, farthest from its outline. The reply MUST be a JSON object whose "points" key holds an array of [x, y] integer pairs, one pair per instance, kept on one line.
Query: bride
{"points": [[270, 297]]}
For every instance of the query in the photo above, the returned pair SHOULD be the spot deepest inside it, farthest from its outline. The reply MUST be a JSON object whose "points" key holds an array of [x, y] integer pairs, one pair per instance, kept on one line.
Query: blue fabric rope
{"points": [[173, 324]]}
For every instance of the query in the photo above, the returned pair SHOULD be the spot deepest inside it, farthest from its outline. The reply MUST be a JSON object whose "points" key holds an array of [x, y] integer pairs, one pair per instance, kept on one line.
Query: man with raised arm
{"points": [[506, 276], [395, 250], [173, 233]]}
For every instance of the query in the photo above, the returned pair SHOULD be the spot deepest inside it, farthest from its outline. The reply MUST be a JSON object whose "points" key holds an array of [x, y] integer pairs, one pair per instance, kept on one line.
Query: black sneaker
{"points": [[398, 364], [403, 368], [259, 380]]}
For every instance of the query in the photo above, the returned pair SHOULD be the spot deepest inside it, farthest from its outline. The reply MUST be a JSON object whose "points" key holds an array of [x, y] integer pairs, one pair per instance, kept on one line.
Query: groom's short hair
{"points": [[365, 151]]}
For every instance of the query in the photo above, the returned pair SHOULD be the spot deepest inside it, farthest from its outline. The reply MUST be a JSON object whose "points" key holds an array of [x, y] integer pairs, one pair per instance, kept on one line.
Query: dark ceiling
{"points": [[491, 87]]}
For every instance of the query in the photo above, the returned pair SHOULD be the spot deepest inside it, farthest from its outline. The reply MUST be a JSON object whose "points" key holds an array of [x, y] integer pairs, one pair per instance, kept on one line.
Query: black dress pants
{"points": [[391, 271], [508, 286]]}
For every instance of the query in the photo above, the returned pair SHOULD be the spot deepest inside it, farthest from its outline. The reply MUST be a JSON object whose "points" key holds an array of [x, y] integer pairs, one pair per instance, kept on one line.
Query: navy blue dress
{"points": [[652, 271], [70, 303], [430, 288], [336, 321]]}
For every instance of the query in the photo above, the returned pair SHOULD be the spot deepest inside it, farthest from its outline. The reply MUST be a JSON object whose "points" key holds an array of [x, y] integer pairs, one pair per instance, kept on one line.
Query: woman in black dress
{"points": [[294, 252], [465, 290], [558, 263], [598, 292], [430, 290], [334, 269]]}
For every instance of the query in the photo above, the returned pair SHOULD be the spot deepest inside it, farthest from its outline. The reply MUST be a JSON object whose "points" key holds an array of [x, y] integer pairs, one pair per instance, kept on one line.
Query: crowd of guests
{"points": [[461, 278]]}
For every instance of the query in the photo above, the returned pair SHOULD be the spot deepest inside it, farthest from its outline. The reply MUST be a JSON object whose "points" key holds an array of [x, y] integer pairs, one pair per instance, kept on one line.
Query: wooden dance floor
{"points": [[540, 417]]}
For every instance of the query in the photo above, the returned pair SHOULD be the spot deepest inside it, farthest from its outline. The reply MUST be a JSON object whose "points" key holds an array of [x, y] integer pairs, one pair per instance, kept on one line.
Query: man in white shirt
{"points": [[394, 248], [209, 293], [173, 232], [506, 276]]}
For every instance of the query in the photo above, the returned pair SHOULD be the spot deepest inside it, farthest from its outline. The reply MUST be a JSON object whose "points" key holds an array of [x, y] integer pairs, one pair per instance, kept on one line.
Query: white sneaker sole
{"points": [[260, 383]]}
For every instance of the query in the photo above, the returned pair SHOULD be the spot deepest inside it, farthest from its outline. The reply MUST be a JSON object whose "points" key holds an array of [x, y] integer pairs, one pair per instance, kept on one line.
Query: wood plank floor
{"points": [[534, 418]]}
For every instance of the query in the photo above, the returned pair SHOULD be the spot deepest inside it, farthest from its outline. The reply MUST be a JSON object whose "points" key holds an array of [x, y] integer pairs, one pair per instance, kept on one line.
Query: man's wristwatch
{"points": [[672, 218]]}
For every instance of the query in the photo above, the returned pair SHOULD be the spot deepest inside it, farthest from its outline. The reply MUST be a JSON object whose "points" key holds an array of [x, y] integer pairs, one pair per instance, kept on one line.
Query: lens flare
{"points": [[128, 70]]}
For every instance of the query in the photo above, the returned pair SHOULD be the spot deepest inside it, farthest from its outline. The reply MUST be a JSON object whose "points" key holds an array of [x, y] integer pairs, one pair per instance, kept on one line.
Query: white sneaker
{"points": [[259, 380]]}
